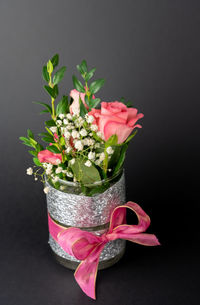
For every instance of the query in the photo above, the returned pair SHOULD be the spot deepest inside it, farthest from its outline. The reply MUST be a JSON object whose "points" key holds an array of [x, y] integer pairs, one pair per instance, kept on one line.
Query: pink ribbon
{"points": [[87, 247]]}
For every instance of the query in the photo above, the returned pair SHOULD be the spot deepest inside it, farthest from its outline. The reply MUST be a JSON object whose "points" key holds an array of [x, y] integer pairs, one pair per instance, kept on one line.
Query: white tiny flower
{"points": [[69, 174], [72, 161], [36, 178], [29, 171], [46, 189], [65, 122], [48, 171], [58, 161], [62, 187], [89, 119], [58, 170], [61, 116], [91, 134], [75, 134], [99, 134], [67, 135], [83, 132], [94, 127], [55, 179], [102, 156], [78, 145], [109, 169], [97, 162], [53, 129], [59, 122], [69, 116], [49, 165], [68, 149], [97, 145], [109, 150], [91, 155], [88, 163]]}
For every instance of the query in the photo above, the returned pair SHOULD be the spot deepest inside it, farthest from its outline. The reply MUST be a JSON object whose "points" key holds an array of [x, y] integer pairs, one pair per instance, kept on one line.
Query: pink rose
{"points": [[49, 157], [116, 118], [75, 106]]}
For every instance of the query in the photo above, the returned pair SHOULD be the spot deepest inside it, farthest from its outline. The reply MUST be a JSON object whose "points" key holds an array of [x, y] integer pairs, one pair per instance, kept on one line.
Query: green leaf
{"points": [[45, 105], [50, 90], [85, 174], [94, 102], [44, 111], [37, 162], [111, 141], [25, 141], [84, 65], [83, 110], [63, 106], [77, 84], [43, 134], [30, 134], [56, 90], [90, 74], [121, 158], [96, 85], [39, 147], [49, 67], [50, 123], [53, 149], [33, 142], [45, 74], [59, 75], [48, 139], [33, 153], [55, 60]]}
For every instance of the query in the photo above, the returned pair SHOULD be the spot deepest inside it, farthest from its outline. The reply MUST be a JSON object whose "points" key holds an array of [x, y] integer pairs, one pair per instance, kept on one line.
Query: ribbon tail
{"points": [[86, 272]]}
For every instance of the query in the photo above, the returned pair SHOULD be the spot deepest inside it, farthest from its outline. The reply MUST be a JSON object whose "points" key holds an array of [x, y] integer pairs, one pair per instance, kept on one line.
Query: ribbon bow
{"points": [[87, 247]]}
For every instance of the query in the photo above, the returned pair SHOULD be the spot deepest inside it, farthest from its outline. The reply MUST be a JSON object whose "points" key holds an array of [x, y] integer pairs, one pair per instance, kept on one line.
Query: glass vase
{"points": [[88, 208]]}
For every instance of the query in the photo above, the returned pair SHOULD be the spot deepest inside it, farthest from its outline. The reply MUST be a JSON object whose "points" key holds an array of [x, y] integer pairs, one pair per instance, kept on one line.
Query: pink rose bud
{"points": [[49, 157]]}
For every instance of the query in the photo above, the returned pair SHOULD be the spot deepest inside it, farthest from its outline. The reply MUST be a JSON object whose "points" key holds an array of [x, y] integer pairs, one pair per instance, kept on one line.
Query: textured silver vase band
{"points": [[87, 213], [83, 211]]}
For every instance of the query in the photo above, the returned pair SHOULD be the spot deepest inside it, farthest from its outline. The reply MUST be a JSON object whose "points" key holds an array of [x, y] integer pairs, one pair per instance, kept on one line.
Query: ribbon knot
{"points": [[87, 247]]}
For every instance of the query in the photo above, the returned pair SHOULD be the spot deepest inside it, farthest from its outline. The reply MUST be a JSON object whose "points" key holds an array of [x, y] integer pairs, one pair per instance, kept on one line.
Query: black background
{"points": [[148, 52]]}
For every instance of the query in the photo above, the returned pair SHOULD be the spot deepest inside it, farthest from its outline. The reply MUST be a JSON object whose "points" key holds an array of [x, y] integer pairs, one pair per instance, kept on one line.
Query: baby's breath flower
{"points": [[35, 178], [62, 187], [89, 118], [65, 121], [97, 162], [91, 155], [55, 179], [68, 149], [58, 162], [79, 145], [83, 132], [53, 129], [88, 163], [58, 170], [97, 145], [59, 122], [67, 134], [69, 174], [99, 134], [75, 134], [109, 150], [69, 116], [94, 127], [72, 161], [29, 171], [48, 171], [102, 156], [46, 189], [61, 116]]}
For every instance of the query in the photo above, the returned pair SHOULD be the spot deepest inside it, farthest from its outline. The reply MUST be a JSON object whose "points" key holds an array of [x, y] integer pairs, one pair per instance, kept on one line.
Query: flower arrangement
{"points": [[85, 143]]}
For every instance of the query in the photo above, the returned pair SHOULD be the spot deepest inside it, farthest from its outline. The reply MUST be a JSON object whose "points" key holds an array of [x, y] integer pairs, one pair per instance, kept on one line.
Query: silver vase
{"points": [[70, 208]]}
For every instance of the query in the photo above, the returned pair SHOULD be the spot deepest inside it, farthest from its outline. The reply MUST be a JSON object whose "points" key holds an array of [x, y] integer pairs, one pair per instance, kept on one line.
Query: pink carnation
{"points": [[49, 157]]}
